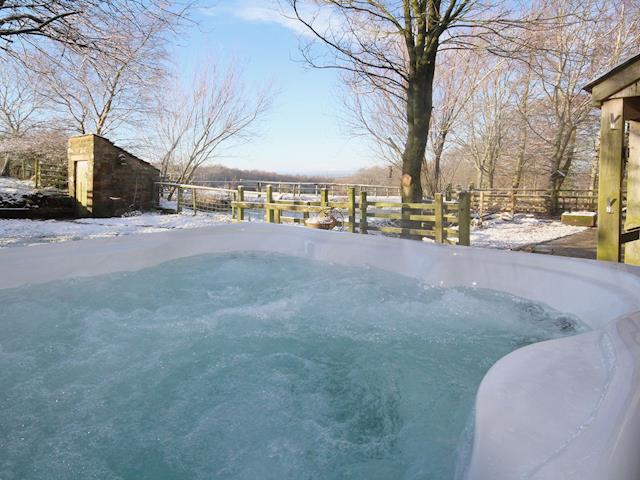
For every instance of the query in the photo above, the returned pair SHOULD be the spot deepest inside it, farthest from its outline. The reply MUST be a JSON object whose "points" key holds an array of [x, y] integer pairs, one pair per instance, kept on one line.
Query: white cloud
{"points": [[258, 11]]}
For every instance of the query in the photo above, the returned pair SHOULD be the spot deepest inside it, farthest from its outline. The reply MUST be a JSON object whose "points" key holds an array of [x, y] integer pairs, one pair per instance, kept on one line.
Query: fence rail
{"points": [[43, 173], [444, 221], [440, 220], [381, 206], [531, 200]]}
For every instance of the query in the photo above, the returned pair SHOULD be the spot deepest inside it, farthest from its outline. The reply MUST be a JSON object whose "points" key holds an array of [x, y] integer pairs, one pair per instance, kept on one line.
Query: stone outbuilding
{"points": [[106, 180]]}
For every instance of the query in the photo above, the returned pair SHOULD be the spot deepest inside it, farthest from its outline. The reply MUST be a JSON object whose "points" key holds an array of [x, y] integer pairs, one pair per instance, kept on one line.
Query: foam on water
{"points": [[246, 366]]}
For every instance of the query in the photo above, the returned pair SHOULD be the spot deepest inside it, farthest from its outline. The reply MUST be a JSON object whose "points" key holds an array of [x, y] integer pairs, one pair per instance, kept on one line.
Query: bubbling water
{"points": [[245, 366]]}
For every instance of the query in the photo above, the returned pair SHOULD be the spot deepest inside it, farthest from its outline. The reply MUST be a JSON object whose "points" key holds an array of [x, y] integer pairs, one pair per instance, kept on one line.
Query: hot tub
{"points": [[564, 408]]}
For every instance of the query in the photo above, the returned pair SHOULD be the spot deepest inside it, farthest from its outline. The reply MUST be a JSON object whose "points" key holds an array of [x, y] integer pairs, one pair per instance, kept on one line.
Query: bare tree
{"points": [[486, 119], [381, 117], [20, 101], [392, 46], [199, 121], [100, 91], [50, 19], [593, 38], [75, 23]]}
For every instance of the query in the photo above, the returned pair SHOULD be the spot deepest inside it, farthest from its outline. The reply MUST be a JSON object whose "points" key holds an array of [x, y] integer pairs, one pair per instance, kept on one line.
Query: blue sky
{"points": [[303, 132]]}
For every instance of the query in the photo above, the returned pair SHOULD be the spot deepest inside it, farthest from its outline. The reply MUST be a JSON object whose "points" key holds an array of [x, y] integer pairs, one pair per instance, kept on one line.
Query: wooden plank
{"points": [[240, 209], [269, 213], [610, 180], [464, 219], [351, 196], [324, 197], [440, 234], [632, 220], [363, 211], [410, 206], [410, 231], [616, 82]]}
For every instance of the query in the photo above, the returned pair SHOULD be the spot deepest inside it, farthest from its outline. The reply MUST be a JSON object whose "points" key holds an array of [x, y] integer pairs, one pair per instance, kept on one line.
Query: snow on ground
{"points": [[501, 231], [14, 189], [16, 232], [498, 231]]}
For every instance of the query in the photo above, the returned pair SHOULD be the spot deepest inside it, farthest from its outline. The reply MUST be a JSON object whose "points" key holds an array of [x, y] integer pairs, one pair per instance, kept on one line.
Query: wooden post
{"points": [[464, 218], [363, 212], [22, 172], [240, 209], [610, 181], [513, 202], [351, 199], [447, 192], [268, 213], [194, 200], [632, 249], [324, 197], [179, 200], [439, 227], [37, 173], [481, 205], [276, 215]]}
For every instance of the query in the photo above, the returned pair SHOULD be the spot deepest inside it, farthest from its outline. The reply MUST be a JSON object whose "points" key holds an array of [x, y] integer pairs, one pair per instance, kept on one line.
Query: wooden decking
{"points": [[579, 245]]}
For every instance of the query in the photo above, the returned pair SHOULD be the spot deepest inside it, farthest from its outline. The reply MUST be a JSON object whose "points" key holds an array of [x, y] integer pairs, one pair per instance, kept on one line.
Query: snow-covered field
{"points": [[501, 231], [15, 232]]}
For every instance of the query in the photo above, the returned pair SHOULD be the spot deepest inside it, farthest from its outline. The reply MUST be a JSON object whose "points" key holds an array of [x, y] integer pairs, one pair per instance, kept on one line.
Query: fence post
{"points": [[179, 200], [324, 197], [268, 214], [464, 219], [276, 215], [351, 199], [513, 202], [239, 208], [447, 192], [439, 227], [363, 211], [194, 200], [481, 205], [37, 173]]}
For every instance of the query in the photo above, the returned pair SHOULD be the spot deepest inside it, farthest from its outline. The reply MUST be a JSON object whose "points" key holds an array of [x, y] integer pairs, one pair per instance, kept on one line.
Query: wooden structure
{"points": [[617, 94], [106, 180], [439, 220]]}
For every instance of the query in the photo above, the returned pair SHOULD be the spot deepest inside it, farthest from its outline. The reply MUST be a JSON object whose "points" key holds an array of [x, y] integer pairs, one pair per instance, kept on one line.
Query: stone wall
{"points": [[120, 182]]}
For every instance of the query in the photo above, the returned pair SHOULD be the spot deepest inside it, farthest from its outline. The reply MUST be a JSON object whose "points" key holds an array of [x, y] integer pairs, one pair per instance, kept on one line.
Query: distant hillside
{"points": [[222, 173]]}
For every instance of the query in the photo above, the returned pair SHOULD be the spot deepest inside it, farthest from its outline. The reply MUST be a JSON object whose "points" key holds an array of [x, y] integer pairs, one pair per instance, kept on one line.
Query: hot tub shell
{"points": [[566, 408]]}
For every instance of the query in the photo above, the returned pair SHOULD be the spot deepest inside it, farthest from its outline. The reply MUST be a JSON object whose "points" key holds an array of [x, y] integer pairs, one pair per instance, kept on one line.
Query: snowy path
{"points": [[502, 232]]}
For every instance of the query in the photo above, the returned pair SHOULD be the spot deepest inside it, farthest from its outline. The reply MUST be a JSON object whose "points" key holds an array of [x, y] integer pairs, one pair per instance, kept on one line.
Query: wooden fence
{"points": [[440, 220], [43, 173], [531, 200]]}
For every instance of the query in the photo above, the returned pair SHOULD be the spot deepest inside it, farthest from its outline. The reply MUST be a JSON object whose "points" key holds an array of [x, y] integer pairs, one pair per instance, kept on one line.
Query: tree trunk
{"points": [[419, 104], [558, 176]]}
